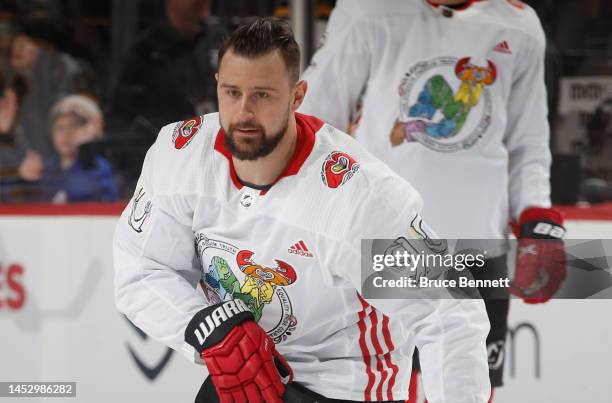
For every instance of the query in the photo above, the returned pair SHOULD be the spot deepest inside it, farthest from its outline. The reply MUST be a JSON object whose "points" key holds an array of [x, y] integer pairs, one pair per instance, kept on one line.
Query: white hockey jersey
{"points": [[453, 101], [292, 254]]}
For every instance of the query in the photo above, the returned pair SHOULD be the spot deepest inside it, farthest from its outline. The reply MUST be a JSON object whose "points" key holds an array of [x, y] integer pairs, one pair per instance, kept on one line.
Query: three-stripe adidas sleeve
{"points": [[450, 333]]}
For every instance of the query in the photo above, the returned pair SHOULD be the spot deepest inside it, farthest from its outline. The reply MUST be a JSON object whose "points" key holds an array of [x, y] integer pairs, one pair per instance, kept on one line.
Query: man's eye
{"points": [[261, 94], [233, 93]]}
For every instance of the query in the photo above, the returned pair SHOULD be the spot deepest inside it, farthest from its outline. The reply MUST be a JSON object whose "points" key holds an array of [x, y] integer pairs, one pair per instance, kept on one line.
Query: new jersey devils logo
{"points": [[338, 168], [185, 131]]}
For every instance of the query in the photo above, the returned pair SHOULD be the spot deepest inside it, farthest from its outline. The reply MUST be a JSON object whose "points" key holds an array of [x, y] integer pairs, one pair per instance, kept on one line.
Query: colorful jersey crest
{"points": [[436, 115], [254, 284]]}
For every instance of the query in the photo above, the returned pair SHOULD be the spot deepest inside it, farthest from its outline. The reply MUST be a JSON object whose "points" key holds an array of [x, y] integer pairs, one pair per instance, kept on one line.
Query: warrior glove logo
{"points": [[185, 131], [221, 314], [338, 168]]}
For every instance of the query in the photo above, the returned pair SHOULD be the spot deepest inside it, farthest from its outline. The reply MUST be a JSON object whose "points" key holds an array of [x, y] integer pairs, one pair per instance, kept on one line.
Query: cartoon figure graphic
{"points": [[473, 79], [438, 98], [221, 284], [261, 281], [220, 278]]}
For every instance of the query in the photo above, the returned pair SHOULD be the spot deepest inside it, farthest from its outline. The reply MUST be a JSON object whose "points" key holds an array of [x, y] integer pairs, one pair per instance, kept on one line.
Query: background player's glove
{"points": [[241, 358], [540, 255]]}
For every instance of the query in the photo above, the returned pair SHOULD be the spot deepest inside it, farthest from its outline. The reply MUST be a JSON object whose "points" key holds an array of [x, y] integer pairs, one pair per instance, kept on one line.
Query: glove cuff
{"points": [[210, 325], [539, 223]]}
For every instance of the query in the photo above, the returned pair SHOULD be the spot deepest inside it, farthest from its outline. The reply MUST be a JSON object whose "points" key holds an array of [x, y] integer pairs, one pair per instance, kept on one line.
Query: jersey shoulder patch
{"points": [[338, 167], [182, 135], [185, 131]]}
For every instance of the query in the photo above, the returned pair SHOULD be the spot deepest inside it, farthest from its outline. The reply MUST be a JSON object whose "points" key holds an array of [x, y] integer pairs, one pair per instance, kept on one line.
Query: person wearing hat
{"points": [[68, 176]]}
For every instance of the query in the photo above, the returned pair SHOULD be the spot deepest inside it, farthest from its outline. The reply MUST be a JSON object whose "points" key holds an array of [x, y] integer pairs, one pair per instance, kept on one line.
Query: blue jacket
{"points": [[79, 183]]}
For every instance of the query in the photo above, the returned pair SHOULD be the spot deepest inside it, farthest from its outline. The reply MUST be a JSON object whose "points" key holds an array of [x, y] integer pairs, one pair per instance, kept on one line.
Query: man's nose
{"points": [[246, 109]]}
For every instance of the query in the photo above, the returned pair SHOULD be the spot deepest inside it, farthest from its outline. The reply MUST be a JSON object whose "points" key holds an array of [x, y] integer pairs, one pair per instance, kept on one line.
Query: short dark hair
{"points": [[262, 36]]}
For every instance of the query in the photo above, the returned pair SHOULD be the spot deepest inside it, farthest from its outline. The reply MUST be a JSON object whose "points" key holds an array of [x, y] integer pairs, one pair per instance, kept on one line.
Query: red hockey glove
{"points": [[240, 356], [540, 255]]}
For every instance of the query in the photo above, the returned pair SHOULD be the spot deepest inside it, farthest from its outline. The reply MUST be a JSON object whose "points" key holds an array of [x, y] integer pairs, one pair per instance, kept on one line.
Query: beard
{"points": [[256, 146]]}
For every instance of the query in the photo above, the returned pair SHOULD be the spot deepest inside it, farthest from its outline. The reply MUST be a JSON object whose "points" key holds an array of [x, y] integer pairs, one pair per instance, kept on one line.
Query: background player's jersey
{"points": [[456, 105], [292, 254]]}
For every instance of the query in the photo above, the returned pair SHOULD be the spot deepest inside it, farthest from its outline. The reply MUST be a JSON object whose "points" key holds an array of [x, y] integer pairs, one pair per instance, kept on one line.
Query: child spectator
{"points": [[68, 176]]}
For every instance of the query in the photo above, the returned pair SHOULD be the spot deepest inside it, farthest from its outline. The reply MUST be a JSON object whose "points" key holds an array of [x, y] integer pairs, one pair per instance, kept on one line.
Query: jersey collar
{"points": [[307, 126], [464, 6]]}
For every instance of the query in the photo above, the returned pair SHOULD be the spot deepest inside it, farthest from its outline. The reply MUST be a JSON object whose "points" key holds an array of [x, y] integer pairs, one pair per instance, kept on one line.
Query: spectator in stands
{"points": [[11, 97], [15, 160], [71, 176], [43, 76], [8, 110], [168, 74]]}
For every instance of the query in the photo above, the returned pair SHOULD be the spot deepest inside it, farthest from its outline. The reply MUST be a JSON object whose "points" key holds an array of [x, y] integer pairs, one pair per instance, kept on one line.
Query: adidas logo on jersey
{"points": [[502, 47], [300, 249]]}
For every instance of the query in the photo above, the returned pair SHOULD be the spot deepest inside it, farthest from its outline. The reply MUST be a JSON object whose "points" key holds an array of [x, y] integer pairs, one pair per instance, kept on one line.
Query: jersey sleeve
{"points": [[449, 333], [451, 338], [339, 70], [527, 135], [156, 271]]}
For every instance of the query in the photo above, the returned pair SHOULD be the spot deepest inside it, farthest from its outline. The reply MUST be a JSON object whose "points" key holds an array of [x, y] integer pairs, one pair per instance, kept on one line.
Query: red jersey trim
{"points": [[306, 125], [387, 357], [464, 6], [73, 209], [379, 353], [220, 147], [367, 354], [601, 212]]}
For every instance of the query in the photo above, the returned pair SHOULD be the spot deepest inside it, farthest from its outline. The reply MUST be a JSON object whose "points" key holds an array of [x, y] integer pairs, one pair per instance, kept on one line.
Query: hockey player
{"points": [[450, 94], [276, 204]]}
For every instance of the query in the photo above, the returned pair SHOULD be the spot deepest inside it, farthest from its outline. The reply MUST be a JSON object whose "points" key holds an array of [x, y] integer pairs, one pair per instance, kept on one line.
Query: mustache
{"points": [[249, 125]]}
